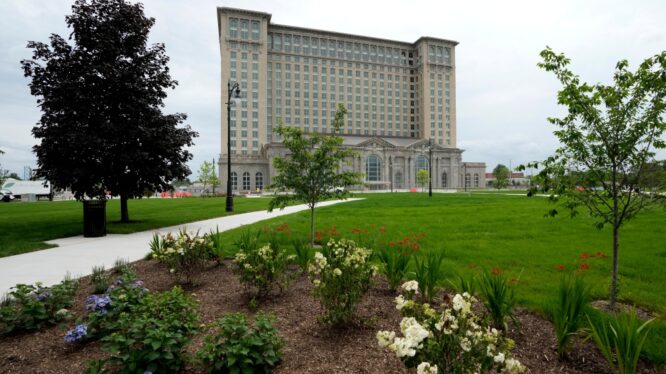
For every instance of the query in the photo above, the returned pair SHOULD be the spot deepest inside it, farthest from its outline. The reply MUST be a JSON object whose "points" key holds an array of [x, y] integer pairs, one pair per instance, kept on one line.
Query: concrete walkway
{"points": [[77, 255]]}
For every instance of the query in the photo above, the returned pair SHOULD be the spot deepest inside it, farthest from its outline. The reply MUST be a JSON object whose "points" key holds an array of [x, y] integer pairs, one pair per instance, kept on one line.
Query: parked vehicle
{"points": [[6, 196]]}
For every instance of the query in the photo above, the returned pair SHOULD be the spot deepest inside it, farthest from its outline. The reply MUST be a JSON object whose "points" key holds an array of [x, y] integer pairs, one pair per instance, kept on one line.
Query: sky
{"points": [[503, 98]]}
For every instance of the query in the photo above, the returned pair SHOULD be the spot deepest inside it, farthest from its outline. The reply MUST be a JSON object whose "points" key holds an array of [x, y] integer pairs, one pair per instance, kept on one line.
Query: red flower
{"points": [[496, 271], [560, 267], [584, 266], [392, 244], [513, 280], [585, 255], [382, 229], [415, 246], [355, 230], [601, 255]]}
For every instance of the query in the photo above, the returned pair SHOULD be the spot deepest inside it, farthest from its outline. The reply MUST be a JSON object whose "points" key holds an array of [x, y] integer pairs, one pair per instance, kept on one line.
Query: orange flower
{"points": [[560, 267], [496, 271], [585, 255], [392, 244], [415, 246], [513, 280], [601, 255], [382, 229], [355, 230], [584, 266]]}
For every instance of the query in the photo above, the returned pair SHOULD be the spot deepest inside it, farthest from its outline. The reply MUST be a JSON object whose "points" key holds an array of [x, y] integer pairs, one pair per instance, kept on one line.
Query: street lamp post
{"points": [[235, 90], [465, 176], [391, 172], [430, 167]]}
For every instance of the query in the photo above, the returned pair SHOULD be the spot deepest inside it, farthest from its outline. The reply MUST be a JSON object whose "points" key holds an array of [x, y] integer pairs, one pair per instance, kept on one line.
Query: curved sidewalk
{"points": [[77, 255]]}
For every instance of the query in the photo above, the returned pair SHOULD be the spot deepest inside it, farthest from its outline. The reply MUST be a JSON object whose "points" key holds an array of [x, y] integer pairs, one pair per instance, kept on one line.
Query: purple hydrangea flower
{"points": [[77, 333], [42, 296], [98, 303]]}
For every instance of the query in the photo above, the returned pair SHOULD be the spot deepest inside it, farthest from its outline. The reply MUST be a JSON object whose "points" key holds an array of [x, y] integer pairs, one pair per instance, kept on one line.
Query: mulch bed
{"points": [[310, 347]]}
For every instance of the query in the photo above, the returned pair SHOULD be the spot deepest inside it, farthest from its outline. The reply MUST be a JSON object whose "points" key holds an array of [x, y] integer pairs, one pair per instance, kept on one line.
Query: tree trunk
{"points": [[124, 214], [613, 286], [312, 236]]}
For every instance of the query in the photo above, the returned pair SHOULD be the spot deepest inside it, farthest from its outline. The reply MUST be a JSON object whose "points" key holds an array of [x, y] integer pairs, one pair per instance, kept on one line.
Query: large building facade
{"points": [[401, 101]]}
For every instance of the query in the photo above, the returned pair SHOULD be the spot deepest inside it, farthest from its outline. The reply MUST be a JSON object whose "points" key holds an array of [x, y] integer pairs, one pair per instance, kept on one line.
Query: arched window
{"points": [[398, 179], [373, 170], [444, 180], [259, 181], [476, 180], [234, 180], [421, 163], [246, 181], [467, 180]]}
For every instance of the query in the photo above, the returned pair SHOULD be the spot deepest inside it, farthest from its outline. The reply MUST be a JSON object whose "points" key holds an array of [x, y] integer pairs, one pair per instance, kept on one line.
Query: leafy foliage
{"points": [[263, 268], [185, 255], [428, 273], [99, 279], [313, 169], [237, 347], [395, 260], [31, 307], [608, 136], [153, 335], [208, 177], [422, 178], [102, 128]]}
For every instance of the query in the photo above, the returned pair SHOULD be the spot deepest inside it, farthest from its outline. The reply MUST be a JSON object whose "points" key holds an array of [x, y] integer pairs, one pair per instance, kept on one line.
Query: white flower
{"points": [[461, 305], [490, 350], [513, 366], [465, 344], [499, 358], [413, 331], [316, 282], [425, 368], [400, 302], [411, 286], [320, 260], [402, 347], [337, 272], [385, 338]]}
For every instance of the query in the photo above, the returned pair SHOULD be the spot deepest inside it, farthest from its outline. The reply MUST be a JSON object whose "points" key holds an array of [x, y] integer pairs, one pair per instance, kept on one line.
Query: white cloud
{"points": [[503, 98]]}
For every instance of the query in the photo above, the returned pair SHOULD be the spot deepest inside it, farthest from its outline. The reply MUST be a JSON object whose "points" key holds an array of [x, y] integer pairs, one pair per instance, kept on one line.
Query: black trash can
{"points": [[94, 218]]}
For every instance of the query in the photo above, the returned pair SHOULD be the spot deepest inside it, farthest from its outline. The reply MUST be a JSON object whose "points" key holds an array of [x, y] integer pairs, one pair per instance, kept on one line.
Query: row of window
{"points": [[249, 29], [258, 181]]}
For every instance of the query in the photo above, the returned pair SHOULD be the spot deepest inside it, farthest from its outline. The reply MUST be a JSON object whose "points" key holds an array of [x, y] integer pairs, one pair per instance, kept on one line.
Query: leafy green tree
{"points": [[501, 174], [608, 136], [102, 127], [3, 173], [422, 178], [312, 170], [208, 177]]}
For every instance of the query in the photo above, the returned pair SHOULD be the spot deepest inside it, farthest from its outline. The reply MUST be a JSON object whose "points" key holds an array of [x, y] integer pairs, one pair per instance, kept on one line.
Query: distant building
{"points": [[400, 97], [516, 180], [25, 190]]}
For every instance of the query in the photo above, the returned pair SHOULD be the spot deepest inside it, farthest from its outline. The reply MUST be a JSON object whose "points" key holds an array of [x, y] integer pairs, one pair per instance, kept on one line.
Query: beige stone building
{"points": [[401, 99]]}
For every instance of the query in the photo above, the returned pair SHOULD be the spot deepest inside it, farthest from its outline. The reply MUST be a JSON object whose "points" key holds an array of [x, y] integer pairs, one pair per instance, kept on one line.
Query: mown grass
{"points": [[25, 227], [484, 231]]}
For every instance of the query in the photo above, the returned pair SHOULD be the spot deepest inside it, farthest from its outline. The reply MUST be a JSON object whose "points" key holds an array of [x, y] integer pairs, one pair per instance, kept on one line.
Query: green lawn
{"points": [[25, 226], [510, 232]]}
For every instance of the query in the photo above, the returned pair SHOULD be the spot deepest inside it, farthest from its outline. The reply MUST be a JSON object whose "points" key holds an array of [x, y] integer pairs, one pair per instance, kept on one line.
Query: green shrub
{"points": [[465, 284], [498, 297], [122, 266], [217, 251], [341, 274], [573, 297], [248, 241], [99, 279], [263, 268], [620, 339], [31, 307], [394, 258], [237, 347], [185, 256], [153, 334], [428, 273], [451, 341]]}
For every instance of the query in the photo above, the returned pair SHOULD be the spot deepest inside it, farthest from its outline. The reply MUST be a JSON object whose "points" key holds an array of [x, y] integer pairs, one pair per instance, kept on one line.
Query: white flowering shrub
{"points": [[341, 274], [448, 341], [263, 268], [185, 255]]}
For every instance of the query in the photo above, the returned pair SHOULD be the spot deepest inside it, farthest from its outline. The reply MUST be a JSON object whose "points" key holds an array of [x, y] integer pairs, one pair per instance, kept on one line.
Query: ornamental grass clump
{"points": [[620, 339], [238, 347], [185, 255], [394, 258], [31, 307], [428, 273], [260, 269], [99, 279], [452, 340], [341, 274], [499, 297], [567, 313]]}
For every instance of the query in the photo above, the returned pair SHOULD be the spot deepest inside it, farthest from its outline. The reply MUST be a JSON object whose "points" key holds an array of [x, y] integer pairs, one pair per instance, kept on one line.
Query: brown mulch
{"points": [[309, 346]]}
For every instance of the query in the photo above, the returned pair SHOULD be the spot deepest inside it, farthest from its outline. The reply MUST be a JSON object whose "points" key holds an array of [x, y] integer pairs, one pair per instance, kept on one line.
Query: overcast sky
{"points": [[503, 98]]}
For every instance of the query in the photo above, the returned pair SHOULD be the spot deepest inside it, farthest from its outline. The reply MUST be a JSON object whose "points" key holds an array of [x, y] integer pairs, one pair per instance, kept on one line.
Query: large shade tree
{"points": [[608, 140], [101, 94], [312, 171]]}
